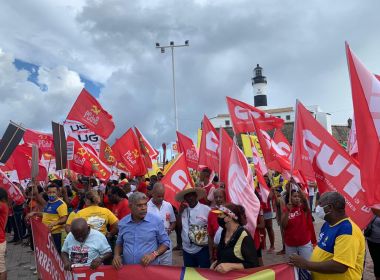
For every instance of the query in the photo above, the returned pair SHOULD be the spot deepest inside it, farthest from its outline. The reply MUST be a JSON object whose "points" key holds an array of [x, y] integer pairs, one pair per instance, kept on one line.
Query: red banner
{"points": [[50, 266], [186, 146], [317, 152], [241, 114], [89, 112], [13, 191], [44, 141], [176, 179], [127, 150], [208, 150]]}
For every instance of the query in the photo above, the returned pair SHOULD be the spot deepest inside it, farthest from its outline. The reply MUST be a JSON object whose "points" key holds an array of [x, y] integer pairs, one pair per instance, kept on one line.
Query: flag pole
{"points": [[294, 140]]}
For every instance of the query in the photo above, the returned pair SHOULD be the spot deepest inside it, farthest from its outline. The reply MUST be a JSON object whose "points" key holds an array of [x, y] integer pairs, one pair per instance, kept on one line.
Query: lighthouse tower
{"points": [[259, 84]]}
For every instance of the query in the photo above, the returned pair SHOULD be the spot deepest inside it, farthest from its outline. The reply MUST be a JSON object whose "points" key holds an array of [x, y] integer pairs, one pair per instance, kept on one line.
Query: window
{"points": [[278, 117], [227, 122], [288, 117]]}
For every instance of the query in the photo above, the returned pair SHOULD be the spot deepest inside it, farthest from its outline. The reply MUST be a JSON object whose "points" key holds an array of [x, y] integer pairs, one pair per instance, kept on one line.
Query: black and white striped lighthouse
{"points": [[259, 84]]}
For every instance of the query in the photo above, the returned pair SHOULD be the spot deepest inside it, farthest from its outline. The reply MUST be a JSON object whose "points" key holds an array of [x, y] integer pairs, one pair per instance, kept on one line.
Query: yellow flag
{"points": [[247, 145], [199, 138]]}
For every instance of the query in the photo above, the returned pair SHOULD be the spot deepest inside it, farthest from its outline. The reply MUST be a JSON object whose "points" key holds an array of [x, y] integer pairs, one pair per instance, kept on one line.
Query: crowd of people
{"points": [[128, 221]]}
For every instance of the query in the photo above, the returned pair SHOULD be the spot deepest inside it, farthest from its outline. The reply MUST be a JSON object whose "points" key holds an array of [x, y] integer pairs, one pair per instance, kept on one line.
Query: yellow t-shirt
{"points": [[97, 217], [52, 212], [344, 243]]}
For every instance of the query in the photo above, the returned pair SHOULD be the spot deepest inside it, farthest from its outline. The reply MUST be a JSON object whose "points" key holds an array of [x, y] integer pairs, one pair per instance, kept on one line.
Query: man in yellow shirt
{"points": [[341, 245]]}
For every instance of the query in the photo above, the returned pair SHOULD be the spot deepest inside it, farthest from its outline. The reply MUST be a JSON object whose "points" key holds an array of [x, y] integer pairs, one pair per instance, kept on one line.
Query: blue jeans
{"points": [[200, 259], [57, 241]]}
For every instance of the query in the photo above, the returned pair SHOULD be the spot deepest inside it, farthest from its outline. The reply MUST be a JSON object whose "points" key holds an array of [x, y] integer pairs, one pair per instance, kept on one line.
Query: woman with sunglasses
{"points": [[236, 249]]}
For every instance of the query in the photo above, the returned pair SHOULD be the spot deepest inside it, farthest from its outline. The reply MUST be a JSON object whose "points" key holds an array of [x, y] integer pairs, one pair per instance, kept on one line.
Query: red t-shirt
{"points": [[142, 187], [3, 220], [257, 237], [121, 209], [212, 224], [107, 203], [296, 232]]}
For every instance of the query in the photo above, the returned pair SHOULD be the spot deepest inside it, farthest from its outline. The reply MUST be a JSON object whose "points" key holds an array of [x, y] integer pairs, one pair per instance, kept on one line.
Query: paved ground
{"points": [[20, 258]]}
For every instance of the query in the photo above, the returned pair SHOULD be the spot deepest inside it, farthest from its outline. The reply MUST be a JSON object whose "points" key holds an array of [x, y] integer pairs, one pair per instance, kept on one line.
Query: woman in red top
{"points": [[118, 198], [297, 236]]}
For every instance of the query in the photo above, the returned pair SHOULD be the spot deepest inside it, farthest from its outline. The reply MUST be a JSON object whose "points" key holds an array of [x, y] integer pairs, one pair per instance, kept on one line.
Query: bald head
{"points": [[158, 193], [219, 196], [80, 229]]}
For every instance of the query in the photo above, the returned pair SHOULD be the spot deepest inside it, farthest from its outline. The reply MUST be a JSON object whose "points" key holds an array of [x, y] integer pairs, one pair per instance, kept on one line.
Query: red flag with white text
{"points": [[106, 154], [366, 100], [187, 147], [176, 179], [241, 114], [240, 187], [44, 141], [127, 151], [89, 112], [208, 150], [77, 157], [145, 148], [317, 151], [13, 191]]}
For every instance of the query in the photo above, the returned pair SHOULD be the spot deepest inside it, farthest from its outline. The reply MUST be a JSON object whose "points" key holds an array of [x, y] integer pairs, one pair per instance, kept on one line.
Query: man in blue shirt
{"points": [[142, 236]]}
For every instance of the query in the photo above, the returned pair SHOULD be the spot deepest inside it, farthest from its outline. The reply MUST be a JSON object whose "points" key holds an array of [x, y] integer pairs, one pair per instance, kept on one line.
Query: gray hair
{"points": [[136, 196], [158, 186], [335, 199]]}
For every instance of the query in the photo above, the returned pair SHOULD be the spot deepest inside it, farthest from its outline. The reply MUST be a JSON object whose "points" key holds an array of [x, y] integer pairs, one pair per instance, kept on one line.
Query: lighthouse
{"points": [[259, 84]]}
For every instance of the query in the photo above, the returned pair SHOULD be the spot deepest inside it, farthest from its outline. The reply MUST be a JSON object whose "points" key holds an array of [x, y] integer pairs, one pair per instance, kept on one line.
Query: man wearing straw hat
{"points": [[194, 215]]}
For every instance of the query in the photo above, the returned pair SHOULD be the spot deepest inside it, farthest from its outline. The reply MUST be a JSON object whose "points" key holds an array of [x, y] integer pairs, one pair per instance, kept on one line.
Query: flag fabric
{"points": [[89, 112], [77, 157], [13, 191], [106, 154], [22, 158], [127, 151], [99, 168], [240, 187], [186, 146], [366, 100], [60, 146], [11, 138], [316, 151], [284, 148], [176, 179], [44, 141], [82, 133], [241, 114], [146, 149], [224, 154], [208, 151]]}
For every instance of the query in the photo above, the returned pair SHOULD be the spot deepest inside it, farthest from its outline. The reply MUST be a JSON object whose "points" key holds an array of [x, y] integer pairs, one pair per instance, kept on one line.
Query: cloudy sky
{"points": [[51, 49]]}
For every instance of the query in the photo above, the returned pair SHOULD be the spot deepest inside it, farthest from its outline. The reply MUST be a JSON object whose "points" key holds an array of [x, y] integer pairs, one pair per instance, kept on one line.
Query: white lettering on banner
{"points": [[282, 149], [79, 160], [243, 114], [212, 142], [235, 183], [129, 157], [338, 166], [44, 144], [191, 154], [91, 117], [179, 179], [92, 276]]}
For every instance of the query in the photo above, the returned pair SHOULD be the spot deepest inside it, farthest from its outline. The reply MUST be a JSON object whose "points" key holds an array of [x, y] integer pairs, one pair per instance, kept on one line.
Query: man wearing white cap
{"points": [[194, 215]]}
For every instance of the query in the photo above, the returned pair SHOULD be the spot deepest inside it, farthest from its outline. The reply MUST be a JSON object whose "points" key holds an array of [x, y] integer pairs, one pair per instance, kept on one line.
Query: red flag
{"points": [[22, 158], [240, 186], [282, 145], [99, 168], [224, 154], [186, 146], [127, 151], [208, 150], [241, 113], [145, 148], [77, 157], [13, 191], [317, 151], [106, 154], [152, 152], [176, 179], [44, 141], [366, 100], [88, 111]]}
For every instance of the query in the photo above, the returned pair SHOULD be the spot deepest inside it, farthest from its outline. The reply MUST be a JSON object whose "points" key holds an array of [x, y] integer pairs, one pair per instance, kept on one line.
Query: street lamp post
{"points": [[172, 46]]}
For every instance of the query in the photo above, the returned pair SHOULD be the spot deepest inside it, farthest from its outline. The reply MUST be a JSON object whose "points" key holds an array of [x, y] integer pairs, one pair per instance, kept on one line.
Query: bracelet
{"points": [[155, 254]]}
